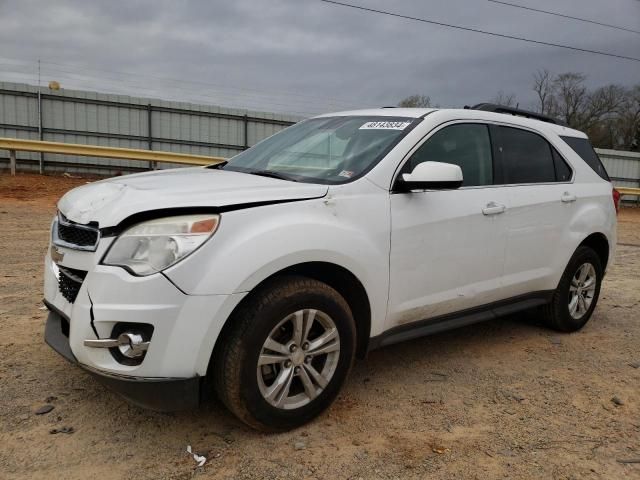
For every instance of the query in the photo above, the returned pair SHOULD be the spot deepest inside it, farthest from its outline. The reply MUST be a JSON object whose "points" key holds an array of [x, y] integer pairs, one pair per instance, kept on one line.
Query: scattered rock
{"points": [[437, 377], [50, 399], [432, 400], [635, 364], [361, 455], [439, 449], [514, 396], [467, 402], [617, 400], [44, 409], [630, 460], [23, 418], [555, 340], [68, 430], [299, 446]]}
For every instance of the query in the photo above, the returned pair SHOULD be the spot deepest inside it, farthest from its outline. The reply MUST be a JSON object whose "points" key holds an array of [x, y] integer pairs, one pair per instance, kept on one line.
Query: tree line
{"points": [[610, 114]]}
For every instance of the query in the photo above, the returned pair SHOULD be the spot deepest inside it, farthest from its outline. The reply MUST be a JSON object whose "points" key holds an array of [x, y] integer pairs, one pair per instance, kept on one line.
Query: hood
{"points": [[110, 201]]}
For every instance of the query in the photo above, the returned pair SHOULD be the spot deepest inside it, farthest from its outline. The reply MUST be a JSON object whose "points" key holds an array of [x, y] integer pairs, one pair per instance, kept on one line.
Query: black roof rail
{"points": [[492, 107]]}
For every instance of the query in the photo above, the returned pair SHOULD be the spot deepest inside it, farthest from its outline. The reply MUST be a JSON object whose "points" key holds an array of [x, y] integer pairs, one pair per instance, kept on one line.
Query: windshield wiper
{"points": [[217, 166], [270, 174]]}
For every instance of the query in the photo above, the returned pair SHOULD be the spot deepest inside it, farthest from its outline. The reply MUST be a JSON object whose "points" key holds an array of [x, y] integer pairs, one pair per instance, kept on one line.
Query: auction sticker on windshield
{"points": [[385, 125]]}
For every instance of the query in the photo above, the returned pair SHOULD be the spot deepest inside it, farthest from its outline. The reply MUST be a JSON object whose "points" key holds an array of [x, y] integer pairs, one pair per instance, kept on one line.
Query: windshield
{"points": [[324, 150]]}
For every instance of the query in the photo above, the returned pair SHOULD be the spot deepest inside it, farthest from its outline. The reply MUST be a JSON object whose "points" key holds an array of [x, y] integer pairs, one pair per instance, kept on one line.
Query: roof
{"points": [[448, 114], [383, 112]]}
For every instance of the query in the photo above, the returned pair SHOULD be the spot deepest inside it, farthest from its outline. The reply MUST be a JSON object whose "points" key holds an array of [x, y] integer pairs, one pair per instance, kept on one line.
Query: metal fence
{"points": [[93, 118], [622, 167]]}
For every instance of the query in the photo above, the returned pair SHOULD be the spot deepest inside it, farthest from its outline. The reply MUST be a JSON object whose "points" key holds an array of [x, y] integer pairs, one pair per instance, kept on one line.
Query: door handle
{"points": [[493, 208], [568, 198]]}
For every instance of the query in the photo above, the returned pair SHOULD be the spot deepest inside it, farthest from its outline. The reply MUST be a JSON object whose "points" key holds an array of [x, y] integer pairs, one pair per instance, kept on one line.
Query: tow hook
{"points": [[130, 344]]}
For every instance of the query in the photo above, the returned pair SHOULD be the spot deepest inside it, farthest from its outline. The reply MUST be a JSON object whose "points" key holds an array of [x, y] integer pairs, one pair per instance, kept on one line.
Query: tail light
{"points": [[616, 199]]}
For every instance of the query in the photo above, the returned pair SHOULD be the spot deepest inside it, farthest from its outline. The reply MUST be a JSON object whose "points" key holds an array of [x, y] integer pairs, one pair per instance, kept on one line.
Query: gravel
{"points": [[565, 427]]}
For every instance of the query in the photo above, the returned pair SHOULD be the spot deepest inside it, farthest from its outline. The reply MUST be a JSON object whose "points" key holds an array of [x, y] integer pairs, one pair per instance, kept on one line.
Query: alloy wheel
{"points": [[582, 290], [298, 359]]}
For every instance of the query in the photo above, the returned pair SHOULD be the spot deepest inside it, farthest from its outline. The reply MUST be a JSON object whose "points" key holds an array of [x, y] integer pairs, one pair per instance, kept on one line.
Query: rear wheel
{"points": [[288, 351], [577, 294]]}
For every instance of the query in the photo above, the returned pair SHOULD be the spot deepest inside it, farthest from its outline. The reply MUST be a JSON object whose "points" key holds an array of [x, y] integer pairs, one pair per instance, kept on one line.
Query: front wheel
{"points": [[289, 348], [575, 298]]}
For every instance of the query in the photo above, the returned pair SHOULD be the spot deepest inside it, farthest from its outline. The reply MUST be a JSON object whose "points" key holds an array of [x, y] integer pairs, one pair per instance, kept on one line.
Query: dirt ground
{"points": [[504, 399]]}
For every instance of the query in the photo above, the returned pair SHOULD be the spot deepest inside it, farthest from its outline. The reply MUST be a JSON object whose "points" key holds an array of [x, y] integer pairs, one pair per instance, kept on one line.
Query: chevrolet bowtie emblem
{"points": [[56, 255]]}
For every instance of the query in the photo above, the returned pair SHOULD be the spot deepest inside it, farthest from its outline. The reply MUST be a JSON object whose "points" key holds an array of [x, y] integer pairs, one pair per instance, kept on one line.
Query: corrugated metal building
{"points": [[121, 121]]}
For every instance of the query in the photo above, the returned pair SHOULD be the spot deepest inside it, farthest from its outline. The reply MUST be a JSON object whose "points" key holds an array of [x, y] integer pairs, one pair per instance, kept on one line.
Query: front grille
{"points": [[74, 235], [77, 236], [70, 281]]}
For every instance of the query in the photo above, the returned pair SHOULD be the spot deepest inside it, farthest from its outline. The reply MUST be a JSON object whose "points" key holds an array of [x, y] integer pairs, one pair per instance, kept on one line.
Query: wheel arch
{"points": [[337, 277], [599, 243]]}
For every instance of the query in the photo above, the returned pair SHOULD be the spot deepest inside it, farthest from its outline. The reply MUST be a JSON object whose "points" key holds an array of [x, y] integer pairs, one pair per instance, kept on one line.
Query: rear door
{"points": [[447, 246], [542, 200]]}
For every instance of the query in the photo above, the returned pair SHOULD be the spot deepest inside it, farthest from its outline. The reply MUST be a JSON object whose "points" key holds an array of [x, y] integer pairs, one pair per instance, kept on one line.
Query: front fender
{"points": [[253, 244]]}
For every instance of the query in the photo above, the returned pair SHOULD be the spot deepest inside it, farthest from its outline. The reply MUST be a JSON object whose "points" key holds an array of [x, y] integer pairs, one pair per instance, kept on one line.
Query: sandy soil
{"points": [[504, 399]]}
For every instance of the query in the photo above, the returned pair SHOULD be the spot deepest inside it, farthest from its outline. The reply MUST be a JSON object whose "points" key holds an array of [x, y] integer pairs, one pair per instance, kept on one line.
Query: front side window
{"points": [[525, 156], [324, 150], [466, 145]]}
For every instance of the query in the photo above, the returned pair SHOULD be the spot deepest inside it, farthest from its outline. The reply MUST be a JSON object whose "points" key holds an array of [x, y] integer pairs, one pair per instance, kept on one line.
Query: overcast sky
{"points": [[305, 56]]}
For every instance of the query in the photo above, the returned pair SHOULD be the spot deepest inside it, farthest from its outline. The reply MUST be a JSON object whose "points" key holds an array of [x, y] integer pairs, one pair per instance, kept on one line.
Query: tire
{"points": [[250, 391], [559, 314]]}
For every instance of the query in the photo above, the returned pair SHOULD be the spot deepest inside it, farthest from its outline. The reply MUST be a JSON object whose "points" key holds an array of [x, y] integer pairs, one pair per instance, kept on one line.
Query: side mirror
{"points": [[432, 176]]}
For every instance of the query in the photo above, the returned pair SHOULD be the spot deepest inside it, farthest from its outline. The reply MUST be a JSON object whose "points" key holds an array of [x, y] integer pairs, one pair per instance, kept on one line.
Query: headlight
{"points": [[153, 246]]}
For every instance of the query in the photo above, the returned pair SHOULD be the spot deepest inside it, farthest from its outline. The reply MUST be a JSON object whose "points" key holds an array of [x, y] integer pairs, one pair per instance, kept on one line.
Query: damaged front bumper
{"points": [[160, 394], [184, 328]]}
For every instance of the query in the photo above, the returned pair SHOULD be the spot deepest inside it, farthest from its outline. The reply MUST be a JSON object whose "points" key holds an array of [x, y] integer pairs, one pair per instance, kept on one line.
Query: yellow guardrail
{"points": [[628, 191], [19, 145]]}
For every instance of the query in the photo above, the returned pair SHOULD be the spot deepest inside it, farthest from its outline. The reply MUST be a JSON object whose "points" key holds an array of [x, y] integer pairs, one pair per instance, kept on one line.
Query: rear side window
{"points": [[584, 149], [525, 156]]}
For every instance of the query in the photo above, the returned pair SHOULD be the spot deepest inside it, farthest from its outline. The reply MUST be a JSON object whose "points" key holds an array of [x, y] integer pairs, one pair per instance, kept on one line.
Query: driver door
{"points": [[448, 246]]}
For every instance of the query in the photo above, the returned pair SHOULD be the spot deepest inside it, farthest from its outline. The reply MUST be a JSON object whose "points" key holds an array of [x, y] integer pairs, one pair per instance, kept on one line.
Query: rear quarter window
{"points": [[583, 148]]}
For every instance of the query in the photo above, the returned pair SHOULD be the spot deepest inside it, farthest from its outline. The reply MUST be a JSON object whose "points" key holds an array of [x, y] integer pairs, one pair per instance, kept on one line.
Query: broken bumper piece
{"points": [[160, 394]]}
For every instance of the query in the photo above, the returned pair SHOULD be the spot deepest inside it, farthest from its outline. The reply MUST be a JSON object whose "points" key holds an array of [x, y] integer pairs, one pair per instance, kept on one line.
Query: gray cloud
{"points": [[304, 56]]}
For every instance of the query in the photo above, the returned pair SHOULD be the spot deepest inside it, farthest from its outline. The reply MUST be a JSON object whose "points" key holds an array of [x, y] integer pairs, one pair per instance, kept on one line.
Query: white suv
{"points": [[261, 279]]}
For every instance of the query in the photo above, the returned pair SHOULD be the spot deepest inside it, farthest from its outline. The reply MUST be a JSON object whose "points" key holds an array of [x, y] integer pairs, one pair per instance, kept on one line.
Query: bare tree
{"points": [[619, 127], [604, 102], [543, 86], [570, 97], [506, 100], [415, 101], [629, 120]]}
